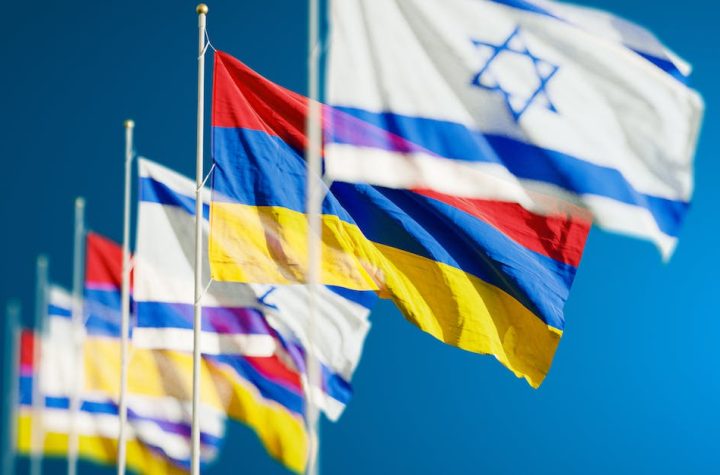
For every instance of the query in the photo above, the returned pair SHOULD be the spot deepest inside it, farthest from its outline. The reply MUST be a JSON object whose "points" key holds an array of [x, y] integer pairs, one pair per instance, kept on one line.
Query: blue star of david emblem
{"points": [[261, 299], [514, 72]]}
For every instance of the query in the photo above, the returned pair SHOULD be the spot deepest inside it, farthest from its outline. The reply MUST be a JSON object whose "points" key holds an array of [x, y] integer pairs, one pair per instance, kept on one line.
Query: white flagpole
{"points": [[314, 209], [12, 346], [201, 11], [77, 324], [125, 301], [37, 429]]}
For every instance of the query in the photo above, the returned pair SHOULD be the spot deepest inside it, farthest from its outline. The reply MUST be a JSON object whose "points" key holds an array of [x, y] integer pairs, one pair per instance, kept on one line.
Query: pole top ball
{"points": [[129, 124], [201, 9]]}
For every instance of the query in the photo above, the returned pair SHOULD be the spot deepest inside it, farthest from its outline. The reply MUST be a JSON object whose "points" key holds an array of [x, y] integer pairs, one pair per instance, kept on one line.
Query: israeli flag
{"points": [[159, 423], [238, 319], [557, 107]]}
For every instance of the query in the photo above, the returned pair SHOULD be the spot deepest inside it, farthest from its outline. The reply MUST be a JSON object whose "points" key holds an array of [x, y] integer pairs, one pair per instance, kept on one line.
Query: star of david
{"points": [[514, 72], [261, 299]]}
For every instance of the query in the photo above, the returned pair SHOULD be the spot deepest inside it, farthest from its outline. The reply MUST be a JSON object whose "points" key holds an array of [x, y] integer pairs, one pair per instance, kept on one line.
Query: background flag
{"points": [[157, 443], [256, 320]]}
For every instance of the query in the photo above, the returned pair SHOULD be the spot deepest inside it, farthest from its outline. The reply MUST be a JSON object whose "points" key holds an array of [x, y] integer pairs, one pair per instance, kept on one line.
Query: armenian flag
{"points": [[158, 430], [485, 276]]}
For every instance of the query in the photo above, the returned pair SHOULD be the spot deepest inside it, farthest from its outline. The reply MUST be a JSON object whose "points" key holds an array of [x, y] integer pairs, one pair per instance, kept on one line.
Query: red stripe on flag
{"points": [[559, 237], [27, 348], [103, 266], [275, 370], [244, 99]]}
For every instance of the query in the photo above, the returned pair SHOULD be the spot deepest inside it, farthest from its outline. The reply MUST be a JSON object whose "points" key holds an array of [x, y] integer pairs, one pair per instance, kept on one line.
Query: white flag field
{"points": [[158, 424], [238, 319], [536, 102]]}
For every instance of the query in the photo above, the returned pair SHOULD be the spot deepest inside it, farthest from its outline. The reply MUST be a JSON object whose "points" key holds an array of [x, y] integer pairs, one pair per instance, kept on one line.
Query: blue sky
{"points": [[635, 383]]}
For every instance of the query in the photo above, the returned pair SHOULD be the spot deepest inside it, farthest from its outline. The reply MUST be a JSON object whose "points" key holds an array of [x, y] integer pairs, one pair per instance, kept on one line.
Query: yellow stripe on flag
{"points": [[100, 450], [268, 244]]}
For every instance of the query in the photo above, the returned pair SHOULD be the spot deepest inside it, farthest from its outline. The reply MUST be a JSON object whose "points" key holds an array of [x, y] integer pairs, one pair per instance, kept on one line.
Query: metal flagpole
{"points": [[314, 208], [201, 11], [125, 303], [37, 429], [12, 372], [77, 324]]}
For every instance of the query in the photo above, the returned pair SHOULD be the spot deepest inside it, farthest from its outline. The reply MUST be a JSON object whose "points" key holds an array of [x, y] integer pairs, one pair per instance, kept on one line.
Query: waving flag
{"points": [[527, 101], [485, 276], [258, 392], [255, 320], [254, 335], [102, 310], [158, 428], [102, 292], [164, 278]]}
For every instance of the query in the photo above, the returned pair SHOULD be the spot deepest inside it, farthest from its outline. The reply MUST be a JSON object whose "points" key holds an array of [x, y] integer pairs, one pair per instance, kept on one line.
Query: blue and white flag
{"points": [[158, 426], [535, 102], [238, 319]]}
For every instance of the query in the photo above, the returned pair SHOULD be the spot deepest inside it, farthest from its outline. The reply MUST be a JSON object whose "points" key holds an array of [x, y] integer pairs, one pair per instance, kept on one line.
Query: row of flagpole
{"points": [[313, 203]]}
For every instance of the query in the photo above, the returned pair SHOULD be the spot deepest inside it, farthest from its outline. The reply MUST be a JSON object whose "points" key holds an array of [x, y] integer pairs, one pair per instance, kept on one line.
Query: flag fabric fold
{"points": [[486, 276], [158, 429], [535, 102], [266, 389]]}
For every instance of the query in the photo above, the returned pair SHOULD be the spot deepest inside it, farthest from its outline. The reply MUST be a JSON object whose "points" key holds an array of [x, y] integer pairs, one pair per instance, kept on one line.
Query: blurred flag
{"points": [[157, 443], [102, 292], [255, 320], [164, 278], [254, 336], [485, 276], [102, 310], [524, 101]]}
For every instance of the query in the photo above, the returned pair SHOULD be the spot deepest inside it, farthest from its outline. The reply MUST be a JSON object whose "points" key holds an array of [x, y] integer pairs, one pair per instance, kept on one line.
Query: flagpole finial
{"points": [[202, 9], [129, 124]]}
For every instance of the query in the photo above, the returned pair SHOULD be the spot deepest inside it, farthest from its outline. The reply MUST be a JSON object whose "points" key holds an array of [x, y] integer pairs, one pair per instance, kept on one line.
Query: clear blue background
{"points": [[635, 384]]}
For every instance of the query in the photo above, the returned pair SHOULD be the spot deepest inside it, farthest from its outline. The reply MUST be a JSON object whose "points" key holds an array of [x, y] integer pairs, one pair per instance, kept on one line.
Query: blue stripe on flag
{"points": [[102, 312], [55, 311], [223, 320], [418, 224], [456, 142], [153, 191], [249, 165], [25, 388], [366, 299], [664, 64]]}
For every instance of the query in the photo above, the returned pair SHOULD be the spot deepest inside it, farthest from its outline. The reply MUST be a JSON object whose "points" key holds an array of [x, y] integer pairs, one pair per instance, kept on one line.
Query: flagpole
{"points": [[37, 429], [12, 345], [314, 208], [125, 303], [77, 325], [201, 11]]}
